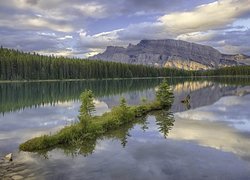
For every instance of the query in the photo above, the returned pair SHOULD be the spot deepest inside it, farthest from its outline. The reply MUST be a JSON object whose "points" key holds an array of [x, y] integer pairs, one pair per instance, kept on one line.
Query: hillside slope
{"points": [[171, 53]]}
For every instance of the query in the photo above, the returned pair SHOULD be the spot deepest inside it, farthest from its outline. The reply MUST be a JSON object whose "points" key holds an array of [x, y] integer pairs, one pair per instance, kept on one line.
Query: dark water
{"points": [[206, 139]]}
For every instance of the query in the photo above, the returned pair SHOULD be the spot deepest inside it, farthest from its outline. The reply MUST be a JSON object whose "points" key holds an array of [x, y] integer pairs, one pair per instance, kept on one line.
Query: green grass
{"points": [[89, 128]]}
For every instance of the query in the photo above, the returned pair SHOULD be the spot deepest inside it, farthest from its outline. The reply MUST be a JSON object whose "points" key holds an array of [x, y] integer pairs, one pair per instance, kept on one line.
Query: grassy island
{"points": [[90, 127]]}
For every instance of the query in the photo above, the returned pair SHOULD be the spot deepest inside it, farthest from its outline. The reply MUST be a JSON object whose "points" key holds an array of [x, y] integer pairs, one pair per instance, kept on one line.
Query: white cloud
{"points": [[66, 37], [225, 110], [202, 23], [34, 23], [92, 52], [98, 42], [205, 17], [121, 37], [67, 52], [146, 30], [197, 36], [92, 10], [43, 23], [211, 134], [46, 34]]}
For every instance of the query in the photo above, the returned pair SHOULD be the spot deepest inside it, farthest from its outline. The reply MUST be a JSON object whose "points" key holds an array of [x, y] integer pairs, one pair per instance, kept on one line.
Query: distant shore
{"points": [[176, 77]]}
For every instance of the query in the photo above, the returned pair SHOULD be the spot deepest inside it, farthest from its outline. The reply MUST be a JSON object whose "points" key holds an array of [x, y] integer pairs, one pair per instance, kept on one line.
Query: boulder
{"points": [[9, 157]]}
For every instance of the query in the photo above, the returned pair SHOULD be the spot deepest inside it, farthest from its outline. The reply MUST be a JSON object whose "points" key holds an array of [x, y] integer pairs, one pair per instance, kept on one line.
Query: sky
{"points": [[81, 28]]}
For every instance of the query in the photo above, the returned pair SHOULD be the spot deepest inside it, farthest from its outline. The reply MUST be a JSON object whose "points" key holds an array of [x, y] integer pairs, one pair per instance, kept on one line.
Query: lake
{"points": [[208, 138]]}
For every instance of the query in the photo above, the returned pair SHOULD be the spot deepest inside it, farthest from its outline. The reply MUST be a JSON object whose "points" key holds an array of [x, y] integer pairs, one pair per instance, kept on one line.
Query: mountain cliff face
{"points": [[171, 53]]}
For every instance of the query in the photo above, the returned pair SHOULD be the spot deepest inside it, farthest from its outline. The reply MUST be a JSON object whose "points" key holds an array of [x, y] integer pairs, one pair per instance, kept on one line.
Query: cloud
{"points": [[219, 125], [197, 36], [27, 22], [225, 110], [146, 7], [144, 31], [97, 42], [125, 21], [40, 23], [204, 24], [93, 10], [232, 40], [43, 42], [57, 15], [206, 17], [66, 37]]}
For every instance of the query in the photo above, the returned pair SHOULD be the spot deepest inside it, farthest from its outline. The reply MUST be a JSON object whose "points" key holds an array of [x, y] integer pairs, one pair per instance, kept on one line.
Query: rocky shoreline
{"points": [[11, 170]]}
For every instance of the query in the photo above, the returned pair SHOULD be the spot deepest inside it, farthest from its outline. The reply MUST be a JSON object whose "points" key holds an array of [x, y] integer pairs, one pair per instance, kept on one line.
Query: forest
{"points": [[226, 71], [16, 65]]}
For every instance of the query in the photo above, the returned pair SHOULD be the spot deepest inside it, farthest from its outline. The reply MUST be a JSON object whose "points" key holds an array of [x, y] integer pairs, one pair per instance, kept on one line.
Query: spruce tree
{"points": [[87, 107], [164, 95]]}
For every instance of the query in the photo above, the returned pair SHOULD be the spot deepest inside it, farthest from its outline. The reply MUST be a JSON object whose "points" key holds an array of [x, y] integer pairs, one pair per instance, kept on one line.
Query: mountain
{"points": [[171, 53]]}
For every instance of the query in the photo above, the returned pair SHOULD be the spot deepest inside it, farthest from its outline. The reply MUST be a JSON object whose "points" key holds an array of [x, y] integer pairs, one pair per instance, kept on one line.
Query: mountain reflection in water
{"points": [[208, 141]]}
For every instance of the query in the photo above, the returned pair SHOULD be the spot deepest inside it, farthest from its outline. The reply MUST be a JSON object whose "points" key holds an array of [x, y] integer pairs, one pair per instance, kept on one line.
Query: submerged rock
{"points": [[15, 170], [17, 177]]}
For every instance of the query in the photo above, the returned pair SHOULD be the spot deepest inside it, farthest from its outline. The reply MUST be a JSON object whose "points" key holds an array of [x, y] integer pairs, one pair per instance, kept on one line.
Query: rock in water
{"points": [[171, 53], [17, 177], [8, 157]]}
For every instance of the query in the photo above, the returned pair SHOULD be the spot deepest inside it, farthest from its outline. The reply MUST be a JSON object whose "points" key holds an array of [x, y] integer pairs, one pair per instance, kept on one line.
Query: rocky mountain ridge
{"points": [[171, 53]]}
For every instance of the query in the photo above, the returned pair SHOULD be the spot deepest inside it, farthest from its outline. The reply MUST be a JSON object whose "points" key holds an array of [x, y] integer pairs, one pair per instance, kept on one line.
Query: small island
{"points": [[90, 127]]}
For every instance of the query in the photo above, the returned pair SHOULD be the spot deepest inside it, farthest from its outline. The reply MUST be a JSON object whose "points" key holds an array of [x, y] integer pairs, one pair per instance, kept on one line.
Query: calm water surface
{"points": [[206, 139]]}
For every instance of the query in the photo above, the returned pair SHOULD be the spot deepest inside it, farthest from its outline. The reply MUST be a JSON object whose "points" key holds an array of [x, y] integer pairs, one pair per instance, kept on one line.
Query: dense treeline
{"points": [[226, 71], [16, 65], [20, 95], [14, 96]]}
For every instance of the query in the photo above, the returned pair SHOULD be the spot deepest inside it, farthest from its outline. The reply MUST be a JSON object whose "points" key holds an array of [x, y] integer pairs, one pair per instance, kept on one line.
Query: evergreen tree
{"points": [[123, 104], [16, 65], [164, 95], [87, 107]]}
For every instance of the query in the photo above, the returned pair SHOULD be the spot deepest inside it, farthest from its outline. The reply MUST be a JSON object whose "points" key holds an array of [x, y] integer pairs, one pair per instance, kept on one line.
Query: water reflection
{"points": [[146, 155], [18, 126], [204, 140], [224, 125], [164, 123], [18, 96], [201, 94]]}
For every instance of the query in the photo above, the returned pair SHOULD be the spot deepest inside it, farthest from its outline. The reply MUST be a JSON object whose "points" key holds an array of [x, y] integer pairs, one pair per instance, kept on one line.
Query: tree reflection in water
{"points": [[164, 121]]}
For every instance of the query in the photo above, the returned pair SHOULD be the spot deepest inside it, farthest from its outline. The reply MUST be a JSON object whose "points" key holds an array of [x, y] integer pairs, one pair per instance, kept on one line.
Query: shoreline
{"points": [[15, 170], [173, 77]]}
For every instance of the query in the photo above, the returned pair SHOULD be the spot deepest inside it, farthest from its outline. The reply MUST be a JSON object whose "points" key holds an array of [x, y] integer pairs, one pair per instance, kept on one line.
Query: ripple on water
{"points": [[15, 170]]}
